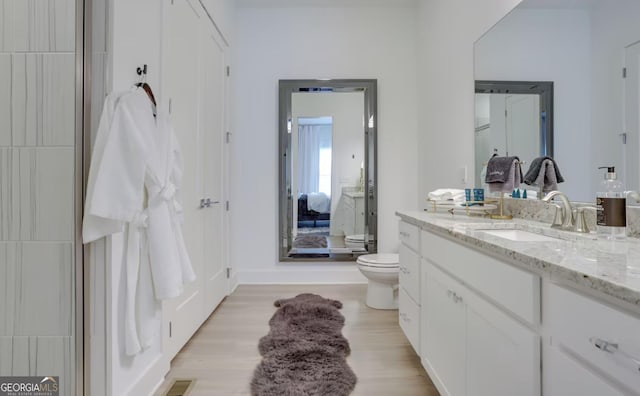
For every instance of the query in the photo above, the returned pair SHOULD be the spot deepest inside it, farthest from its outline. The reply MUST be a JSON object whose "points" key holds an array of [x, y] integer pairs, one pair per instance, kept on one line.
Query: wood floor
{"points": [[223, 353]]}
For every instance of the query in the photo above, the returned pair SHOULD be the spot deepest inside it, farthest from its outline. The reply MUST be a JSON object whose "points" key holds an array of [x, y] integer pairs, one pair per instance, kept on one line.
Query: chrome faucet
{"points": [[566, 221]]}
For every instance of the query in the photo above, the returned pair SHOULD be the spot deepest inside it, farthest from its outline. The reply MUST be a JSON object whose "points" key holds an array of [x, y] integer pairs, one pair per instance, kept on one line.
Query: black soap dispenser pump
{"points": [[611, 207]]}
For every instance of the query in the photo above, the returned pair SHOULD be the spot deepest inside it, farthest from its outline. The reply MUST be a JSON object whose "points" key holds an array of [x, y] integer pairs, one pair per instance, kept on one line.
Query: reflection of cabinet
{"points": [[353, 219]]}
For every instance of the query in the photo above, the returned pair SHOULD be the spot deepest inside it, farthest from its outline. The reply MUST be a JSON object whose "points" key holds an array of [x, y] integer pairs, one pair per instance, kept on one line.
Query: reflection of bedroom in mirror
{"points": [[323, 167]]}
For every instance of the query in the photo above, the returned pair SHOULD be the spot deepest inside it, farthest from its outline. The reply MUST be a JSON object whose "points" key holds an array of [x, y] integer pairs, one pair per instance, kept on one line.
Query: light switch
{"points": [[462, 175]]}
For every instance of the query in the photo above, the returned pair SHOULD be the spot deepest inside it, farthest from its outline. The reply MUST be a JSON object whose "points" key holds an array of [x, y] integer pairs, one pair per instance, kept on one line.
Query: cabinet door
{"points": [[360, 216], [409, 319], [183, 315], [349, 217], [211, 131], [563, 375], [443, 342], [503, 356], [409, 277]]}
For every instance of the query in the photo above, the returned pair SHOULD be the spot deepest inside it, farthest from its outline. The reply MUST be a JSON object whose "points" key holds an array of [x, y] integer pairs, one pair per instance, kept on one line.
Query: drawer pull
{"points": [[404, 234], [614, 349]]}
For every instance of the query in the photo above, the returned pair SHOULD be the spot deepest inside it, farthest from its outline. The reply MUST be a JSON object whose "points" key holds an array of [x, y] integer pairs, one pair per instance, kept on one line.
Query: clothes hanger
{"points": [[143, 84]]}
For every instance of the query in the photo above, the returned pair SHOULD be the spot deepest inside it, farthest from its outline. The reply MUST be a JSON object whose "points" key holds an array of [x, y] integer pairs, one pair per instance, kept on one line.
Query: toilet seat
{"points": [[379, 260], [357, 238]]}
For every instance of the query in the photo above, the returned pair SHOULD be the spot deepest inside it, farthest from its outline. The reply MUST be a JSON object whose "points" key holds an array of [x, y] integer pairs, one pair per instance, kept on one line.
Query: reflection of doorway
{"points": [[632, 117], [522, 124], [512, 118], [314, 176]]}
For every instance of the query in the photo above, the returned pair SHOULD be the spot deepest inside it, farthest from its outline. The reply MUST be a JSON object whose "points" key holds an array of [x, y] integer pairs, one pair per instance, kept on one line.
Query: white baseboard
{"points": [[151, 380], [233, 282], [288, 275]]}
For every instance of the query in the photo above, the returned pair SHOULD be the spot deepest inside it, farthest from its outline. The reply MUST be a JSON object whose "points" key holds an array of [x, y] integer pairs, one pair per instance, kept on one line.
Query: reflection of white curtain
{"points": [[311, 139]]}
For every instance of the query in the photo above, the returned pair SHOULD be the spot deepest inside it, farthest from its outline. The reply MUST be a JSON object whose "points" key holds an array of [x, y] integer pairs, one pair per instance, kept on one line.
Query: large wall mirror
{"points": [[590, 50], [328, 197], [513, 118]]}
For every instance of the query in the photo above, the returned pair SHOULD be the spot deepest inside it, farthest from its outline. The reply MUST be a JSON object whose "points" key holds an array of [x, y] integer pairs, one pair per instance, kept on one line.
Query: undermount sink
{"points": [[520, 235]]}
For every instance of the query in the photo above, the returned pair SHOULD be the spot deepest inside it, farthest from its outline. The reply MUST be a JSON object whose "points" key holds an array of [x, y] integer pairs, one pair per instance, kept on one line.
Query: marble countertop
{"points": [[611, 268]]}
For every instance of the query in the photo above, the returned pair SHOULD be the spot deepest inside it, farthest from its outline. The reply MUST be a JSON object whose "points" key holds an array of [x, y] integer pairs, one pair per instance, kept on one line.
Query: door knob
{"points": [[207, 203]]}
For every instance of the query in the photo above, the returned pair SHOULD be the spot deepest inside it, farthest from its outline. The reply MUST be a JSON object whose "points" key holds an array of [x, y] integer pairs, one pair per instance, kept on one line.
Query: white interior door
{"points": [[212, 130], [183, 315], [523, 126], [632, 117]]}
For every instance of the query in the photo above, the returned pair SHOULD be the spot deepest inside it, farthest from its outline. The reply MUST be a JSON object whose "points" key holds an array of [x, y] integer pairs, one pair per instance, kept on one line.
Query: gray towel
{"points": [[498, 169], [547, 177], [514, 178], [535, 170]]}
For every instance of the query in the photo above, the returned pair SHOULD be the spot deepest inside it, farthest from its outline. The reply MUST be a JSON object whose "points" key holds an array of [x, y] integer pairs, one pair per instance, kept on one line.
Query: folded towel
{"points": [[498, 169], [547, 178], [536, 169], [544, 172], [447, 194], [503, 174], [514, 178]]}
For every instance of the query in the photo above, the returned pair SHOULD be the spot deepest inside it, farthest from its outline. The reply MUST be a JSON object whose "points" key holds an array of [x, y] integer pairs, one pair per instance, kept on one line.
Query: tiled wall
{"points": [[37, 100]]}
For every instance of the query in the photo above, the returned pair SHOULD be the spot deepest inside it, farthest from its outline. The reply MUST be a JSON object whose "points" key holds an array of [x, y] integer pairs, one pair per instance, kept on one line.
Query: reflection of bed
{"points": [[312, 208]]}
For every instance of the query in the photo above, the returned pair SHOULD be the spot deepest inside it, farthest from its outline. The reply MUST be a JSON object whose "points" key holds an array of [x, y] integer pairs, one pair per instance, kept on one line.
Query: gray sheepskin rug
{"points": [[304, 352]]}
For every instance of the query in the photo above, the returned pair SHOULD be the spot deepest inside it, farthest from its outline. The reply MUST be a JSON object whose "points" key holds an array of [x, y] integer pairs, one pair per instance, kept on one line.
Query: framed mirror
{"points": [[327, 182], [590, 50], [513, 118]]}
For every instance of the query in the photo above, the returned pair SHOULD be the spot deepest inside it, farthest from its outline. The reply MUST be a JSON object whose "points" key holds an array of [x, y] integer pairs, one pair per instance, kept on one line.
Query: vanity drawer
{"points": [[584, 325], [563, 375], [515, 290], [410, 272], [410, 235], [409, 318]]}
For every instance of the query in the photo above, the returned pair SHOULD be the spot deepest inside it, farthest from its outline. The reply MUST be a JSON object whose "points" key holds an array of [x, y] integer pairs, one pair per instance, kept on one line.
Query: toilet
{"points": [[382, 270], [354, 241]]}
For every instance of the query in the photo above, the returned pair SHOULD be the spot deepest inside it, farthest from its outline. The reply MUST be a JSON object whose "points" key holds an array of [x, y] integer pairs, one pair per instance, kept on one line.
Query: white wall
{"points": [[614, 26], [549, 45], [133, 45], [297, 42], [347, 154], [447, 31]]}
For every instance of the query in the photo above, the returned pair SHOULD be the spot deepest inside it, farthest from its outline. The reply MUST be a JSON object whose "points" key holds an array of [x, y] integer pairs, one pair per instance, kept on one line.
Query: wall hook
{"points": [[142, 70]]}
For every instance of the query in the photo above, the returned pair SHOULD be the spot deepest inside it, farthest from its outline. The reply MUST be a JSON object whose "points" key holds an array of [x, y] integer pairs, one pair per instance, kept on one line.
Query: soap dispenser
{"points": [[611, 207]]}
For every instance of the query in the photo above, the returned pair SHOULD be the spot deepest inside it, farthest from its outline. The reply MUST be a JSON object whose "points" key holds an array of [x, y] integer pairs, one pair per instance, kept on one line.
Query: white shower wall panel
{"points": [[41, 356], [37, 151], [5, 97], [42, 99], [36, 194], [40, 25], [36, 288]]}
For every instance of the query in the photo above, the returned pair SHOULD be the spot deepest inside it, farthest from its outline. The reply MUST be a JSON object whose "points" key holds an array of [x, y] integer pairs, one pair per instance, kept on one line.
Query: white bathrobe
{"points": [[133, 181]]}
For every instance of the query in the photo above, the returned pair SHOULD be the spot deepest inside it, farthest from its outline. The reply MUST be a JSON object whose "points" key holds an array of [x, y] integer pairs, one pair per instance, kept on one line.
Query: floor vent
{"points": [[180, 387]]}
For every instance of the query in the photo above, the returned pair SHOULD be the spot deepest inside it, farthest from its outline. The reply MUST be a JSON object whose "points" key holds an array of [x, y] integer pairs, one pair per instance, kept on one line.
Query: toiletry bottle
{"points": [[611, 207]]}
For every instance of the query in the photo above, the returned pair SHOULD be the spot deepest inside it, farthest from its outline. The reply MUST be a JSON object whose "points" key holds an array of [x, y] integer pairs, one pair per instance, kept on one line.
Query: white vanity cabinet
{"points": [[409, 289], [593, 348], [353, 212], [478, 334]]}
